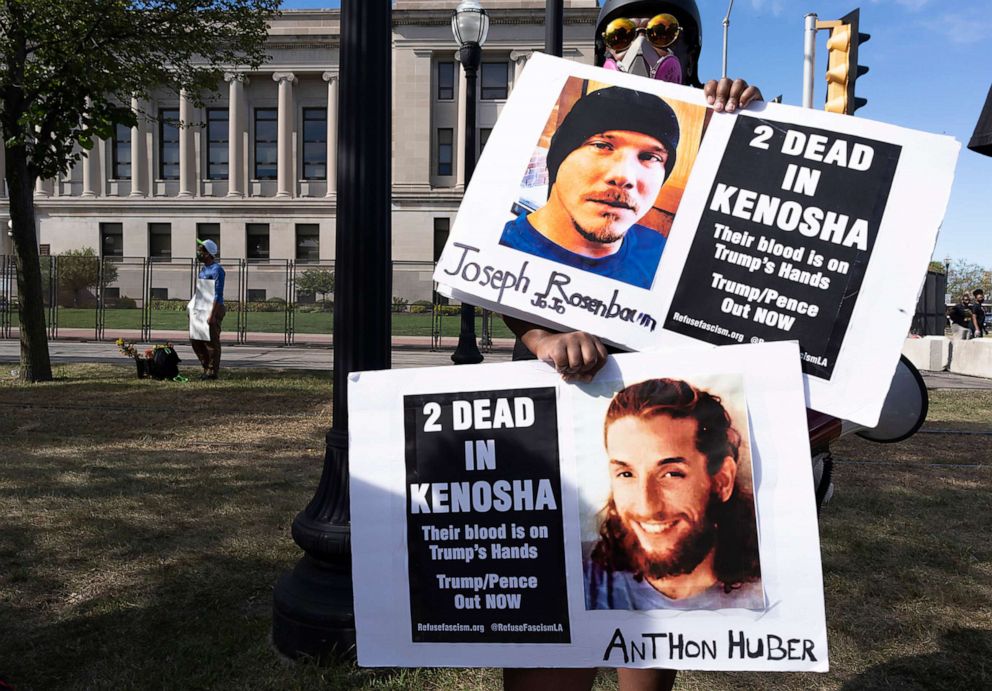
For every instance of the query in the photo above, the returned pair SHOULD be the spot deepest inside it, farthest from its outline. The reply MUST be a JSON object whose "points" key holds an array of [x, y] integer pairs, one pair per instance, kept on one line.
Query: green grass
{"points": [[404, 324], [143, 525]]}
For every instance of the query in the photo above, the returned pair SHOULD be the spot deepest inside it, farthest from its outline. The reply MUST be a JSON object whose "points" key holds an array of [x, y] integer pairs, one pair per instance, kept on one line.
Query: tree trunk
{"points": [[35, 363]]}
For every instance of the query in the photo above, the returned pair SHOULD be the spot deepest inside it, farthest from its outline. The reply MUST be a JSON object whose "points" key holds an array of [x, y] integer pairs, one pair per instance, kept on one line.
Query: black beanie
{"points": [[614, 108]]}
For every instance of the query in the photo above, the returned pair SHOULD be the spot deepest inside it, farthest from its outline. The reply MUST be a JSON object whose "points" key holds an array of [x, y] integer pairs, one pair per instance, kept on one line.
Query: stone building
{"points": [[255, 171]]}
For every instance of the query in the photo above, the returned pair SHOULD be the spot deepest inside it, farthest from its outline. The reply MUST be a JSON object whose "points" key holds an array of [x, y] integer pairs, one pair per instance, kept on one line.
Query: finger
{"points": [[736, 89], [576, 363], [710, 91], [590, 357], [603, 352], [752, 94], [722, 94]]}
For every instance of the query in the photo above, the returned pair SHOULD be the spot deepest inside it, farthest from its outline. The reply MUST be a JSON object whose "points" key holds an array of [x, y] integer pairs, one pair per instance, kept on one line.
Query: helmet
{"points": [[685, 11]]}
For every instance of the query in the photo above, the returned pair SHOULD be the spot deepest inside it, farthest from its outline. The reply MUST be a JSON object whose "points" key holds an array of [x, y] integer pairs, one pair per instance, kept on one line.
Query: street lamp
{"points": [[470, 26]]}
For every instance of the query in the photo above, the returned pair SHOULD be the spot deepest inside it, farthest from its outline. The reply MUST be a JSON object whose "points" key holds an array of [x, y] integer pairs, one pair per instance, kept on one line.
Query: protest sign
{"points": [[625, 207], [660, 516]]}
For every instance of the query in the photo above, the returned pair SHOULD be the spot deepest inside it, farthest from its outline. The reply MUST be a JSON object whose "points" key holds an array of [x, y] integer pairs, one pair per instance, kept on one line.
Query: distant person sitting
{"points": [[607, 163], [208, 351], [978, 308], [963, 324]]}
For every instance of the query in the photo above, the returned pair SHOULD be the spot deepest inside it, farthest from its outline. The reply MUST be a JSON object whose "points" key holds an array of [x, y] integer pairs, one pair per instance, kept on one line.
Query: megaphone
{"points": [[904, 410]]}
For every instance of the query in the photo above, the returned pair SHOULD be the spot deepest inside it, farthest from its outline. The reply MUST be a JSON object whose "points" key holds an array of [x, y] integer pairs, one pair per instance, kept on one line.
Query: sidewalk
{"points": [[253, 338], [407, 352]]}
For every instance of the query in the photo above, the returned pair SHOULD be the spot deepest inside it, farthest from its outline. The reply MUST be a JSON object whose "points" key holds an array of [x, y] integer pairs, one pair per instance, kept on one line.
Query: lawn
{"points": [[143, 525], [404, 323]]}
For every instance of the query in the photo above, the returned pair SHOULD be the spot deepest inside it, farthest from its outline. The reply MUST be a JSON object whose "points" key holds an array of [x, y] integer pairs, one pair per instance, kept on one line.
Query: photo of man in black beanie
{"points": [[606, 163]]}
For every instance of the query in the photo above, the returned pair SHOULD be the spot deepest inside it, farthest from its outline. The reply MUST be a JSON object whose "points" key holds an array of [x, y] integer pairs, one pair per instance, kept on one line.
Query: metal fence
{"points": [[268, 301], [931, 308]]}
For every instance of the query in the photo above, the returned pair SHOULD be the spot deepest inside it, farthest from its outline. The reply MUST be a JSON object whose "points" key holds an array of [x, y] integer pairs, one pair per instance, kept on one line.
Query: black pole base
{"points": [[467, 352], [313, 612]]}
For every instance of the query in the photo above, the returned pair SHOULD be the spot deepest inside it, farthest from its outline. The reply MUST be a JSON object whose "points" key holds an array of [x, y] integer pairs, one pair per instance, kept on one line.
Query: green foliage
{"points": [[400, 304], [71, 66], [419, 309], [324, 306], [314, 282], [79, 270], [964, 276], [124, 303], [937, 267], [171, 305]]}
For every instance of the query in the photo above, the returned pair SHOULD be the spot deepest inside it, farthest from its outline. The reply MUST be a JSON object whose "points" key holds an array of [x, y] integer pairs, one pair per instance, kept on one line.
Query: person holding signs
{"points": [[626, 46]]}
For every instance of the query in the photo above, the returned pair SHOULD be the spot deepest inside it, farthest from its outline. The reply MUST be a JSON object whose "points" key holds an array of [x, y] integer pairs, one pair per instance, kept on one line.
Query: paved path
{"points": [[293, 357], [289, 357]]}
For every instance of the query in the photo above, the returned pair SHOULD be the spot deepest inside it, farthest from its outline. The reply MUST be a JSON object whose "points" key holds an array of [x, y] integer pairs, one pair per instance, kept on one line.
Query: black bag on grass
{"points": [[164, 364]]}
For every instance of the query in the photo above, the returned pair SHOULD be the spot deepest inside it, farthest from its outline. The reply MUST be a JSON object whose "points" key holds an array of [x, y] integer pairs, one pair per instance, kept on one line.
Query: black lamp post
{"points": [[470, 25], [313, 609]]}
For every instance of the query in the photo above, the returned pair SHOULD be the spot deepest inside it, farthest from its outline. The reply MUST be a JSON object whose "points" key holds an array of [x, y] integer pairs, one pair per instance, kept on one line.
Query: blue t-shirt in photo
{"points": [[635, 263]]}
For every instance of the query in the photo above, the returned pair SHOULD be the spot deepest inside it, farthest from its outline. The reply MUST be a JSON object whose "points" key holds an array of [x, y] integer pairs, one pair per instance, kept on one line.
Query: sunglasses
{"points": [[662, 30]]}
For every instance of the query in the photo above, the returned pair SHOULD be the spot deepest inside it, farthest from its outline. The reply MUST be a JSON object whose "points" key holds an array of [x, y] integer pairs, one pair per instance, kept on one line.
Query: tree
{"points": [[78, 270], [68, 73], [963, 277], [313, 281]]}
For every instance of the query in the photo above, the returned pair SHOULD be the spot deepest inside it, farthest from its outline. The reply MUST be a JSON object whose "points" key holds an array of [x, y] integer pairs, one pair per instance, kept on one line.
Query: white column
{"points": [[43, 188], [519, 58], [185, 145], [459, 152], [332, 132], [235, 117], [137, 153], [286, 175], [91, 169]]}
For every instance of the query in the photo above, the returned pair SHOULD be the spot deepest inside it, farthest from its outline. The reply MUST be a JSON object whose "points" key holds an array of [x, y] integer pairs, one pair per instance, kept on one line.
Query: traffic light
{"points": [[843, 69]]}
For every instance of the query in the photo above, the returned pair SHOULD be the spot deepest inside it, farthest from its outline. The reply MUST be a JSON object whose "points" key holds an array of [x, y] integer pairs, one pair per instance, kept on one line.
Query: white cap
{"points": [[209, 245]]}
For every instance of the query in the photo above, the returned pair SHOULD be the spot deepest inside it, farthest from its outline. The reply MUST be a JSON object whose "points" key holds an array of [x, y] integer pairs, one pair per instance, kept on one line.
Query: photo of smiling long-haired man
{"points": [[678, 527]]}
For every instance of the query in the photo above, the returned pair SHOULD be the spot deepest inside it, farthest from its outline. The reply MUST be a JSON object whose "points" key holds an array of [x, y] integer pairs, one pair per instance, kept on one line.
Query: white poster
{"points": [[660, 516], [199, 308], [627, 208]]}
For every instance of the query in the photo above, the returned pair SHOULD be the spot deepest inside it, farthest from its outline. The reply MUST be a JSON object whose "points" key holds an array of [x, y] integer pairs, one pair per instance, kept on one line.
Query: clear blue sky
{"points": [[931, 68]]}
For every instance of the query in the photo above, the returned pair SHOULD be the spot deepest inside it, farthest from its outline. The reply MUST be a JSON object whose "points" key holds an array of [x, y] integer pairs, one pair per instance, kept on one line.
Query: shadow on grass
{"points": [[963, 662]]}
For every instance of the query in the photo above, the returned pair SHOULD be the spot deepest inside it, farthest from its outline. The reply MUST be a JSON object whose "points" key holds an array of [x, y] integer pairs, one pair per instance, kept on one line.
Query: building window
{"points": [[445, 151], [495, 80], [442, 226], [209, 231], [217, 143], [160, 241], [168, 144], [112, 239], [121, 152], [256, 295], [484, 133], [160, 293], [315, 143], [307, 242], [445, 81], [258, 240], [266, 143]]}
